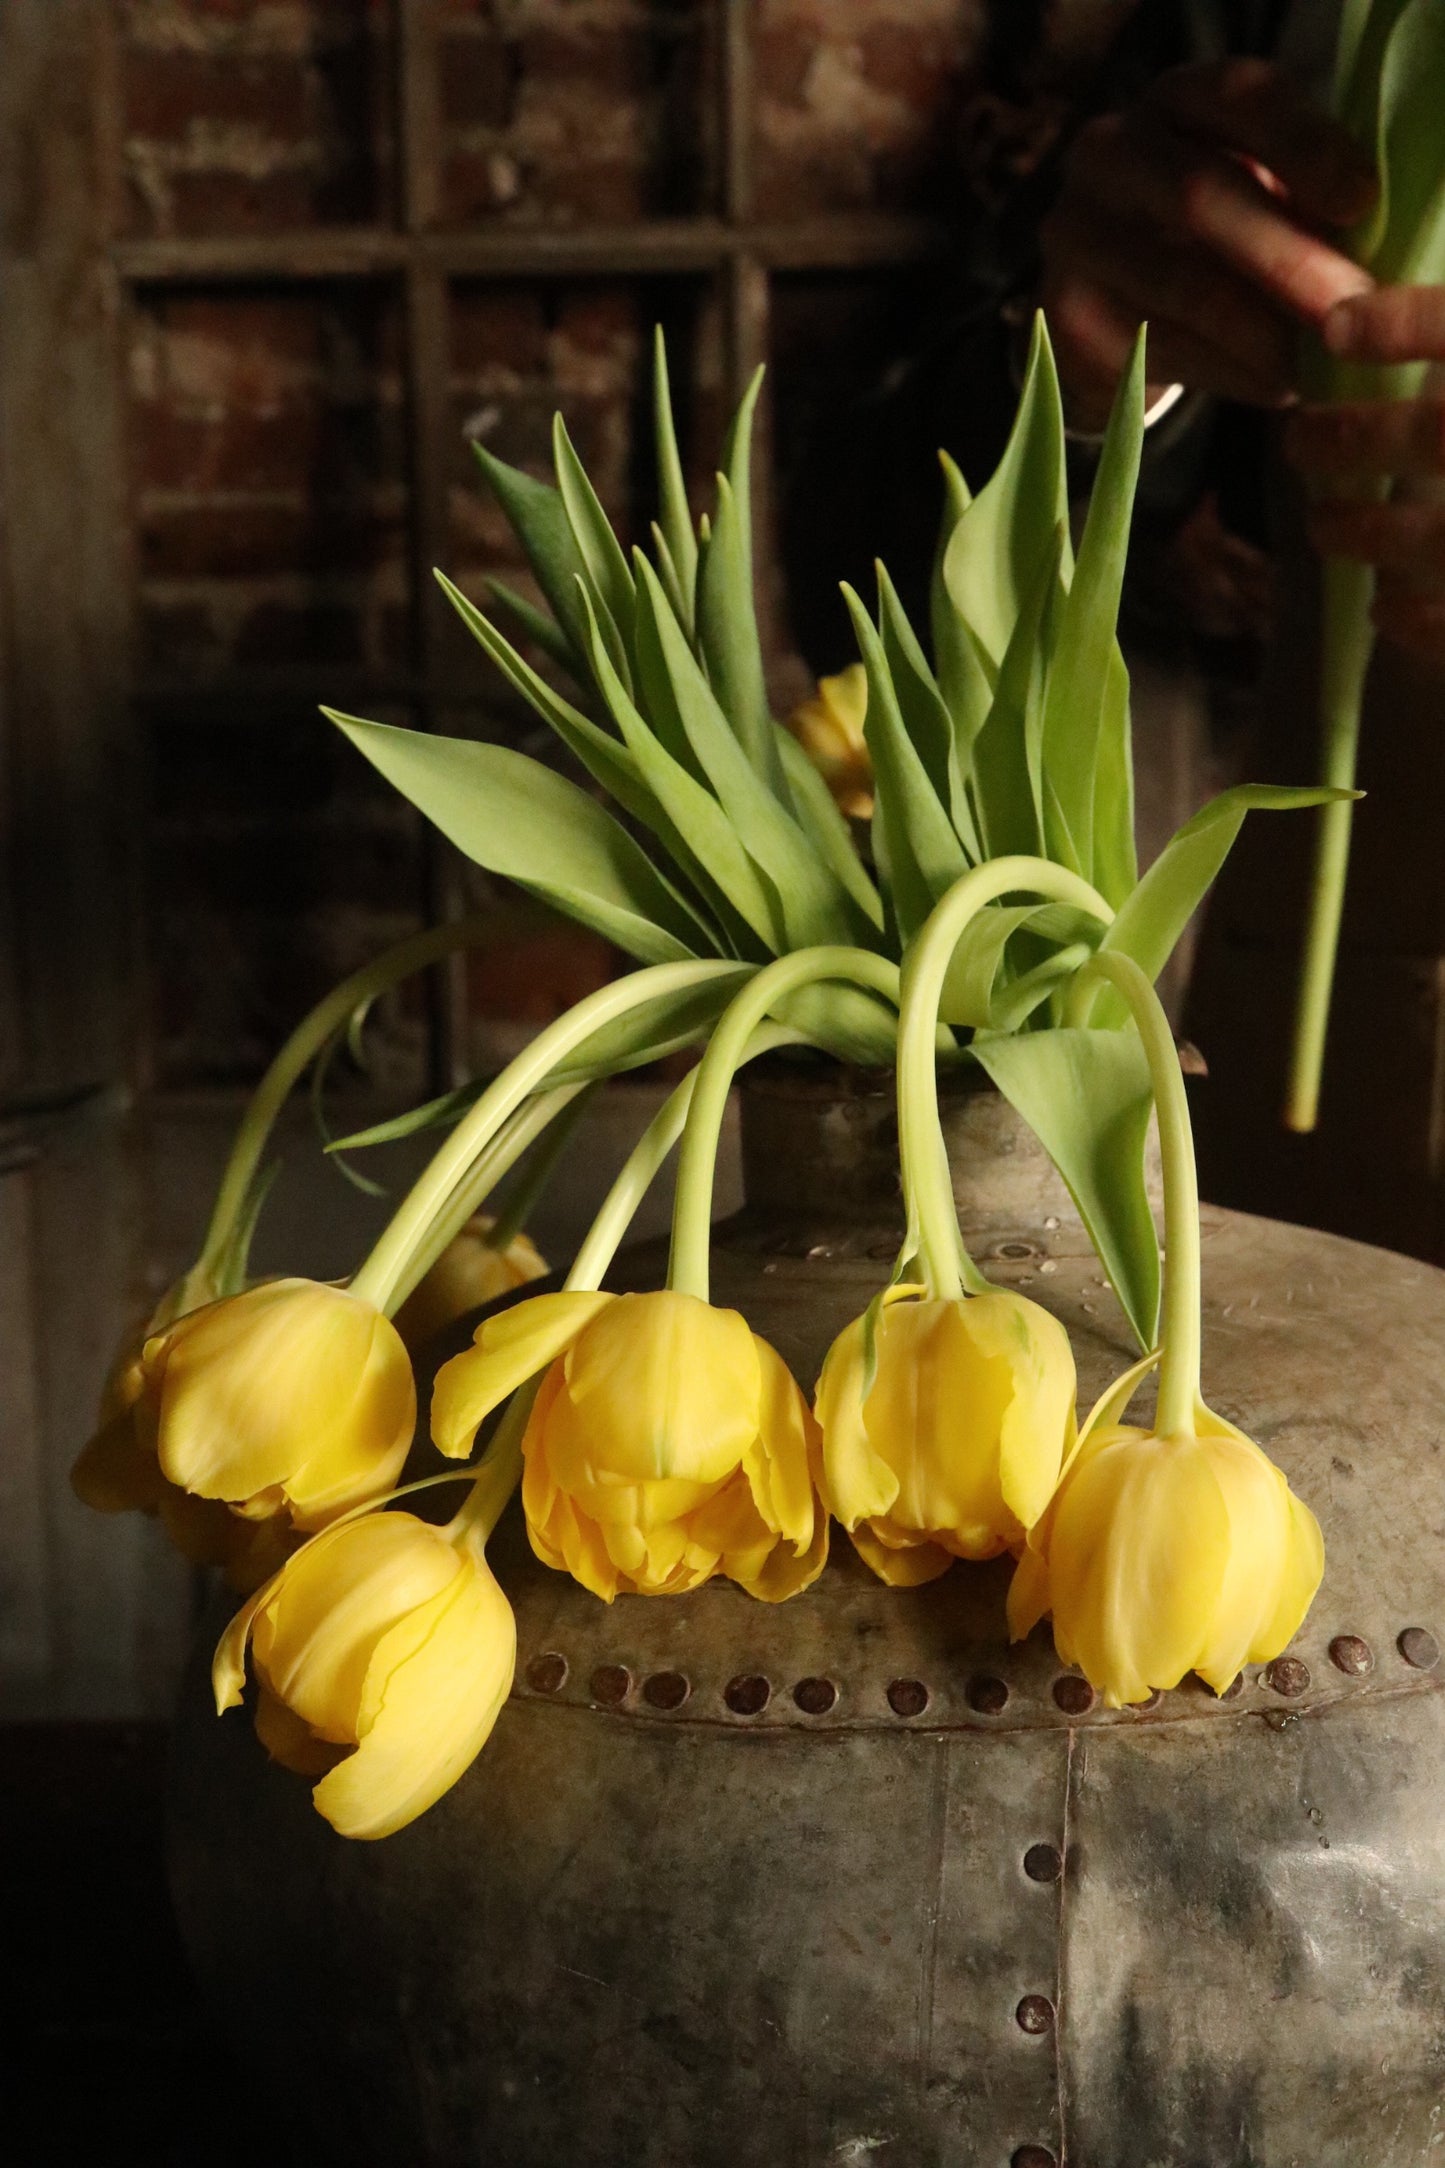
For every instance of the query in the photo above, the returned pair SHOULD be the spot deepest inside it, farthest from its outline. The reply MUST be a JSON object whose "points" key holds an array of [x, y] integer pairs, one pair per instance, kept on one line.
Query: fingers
{"points": [[1384, 437], [1404, 539], [1411, 620], [1394, 323], [1250, 108]]}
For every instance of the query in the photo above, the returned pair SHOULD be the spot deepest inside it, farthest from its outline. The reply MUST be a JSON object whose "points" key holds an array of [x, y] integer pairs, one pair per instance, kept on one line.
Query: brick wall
{"points": [[268, 425]]}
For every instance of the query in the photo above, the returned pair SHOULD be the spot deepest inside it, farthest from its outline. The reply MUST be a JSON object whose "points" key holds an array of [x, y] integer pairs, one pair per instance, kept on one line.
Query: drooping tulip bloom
{"points": [[829, 727], [1164, 1555], [667, 1443], [292, 1398], [469, 1274], [954, 1447], [383, 1652]]}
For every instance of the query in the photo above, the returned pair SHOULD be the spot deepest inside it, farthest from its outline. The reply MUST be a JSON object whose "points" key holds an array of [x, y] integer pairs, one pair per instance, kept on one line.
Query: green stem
{"points": [[1180, 1335], [301, 1049], [692, 1209], [379, 1276], [497, 1474], [514, 1137], [1347, 644], [947, 1267]]}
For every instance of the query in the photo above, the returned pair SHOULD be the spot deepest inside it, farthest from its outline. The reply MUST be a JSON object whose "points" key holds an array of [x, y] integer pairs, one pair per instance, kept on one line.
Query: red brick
{"points": [[238, 203], [166, 92], [501, 328], [537, 976], [218, 541], [784, 54], [479, 81], [920, 67]]}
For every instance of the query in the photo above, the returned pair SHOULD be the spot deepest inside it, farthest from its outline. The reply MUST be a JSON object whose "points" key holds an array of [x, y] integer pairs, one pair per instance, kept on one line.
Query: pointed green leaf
{"points": [[965, 677], [991, 564], [738, 459], [1116, 860], [538, 518], [1079, 678], [597, 545], [1086, 1096], [675, 524], [923, 855], [1151, 920], [815, 906], [1008, 790], [832, 837], [925, 715], [535, 625], [519, 820], [727, 628], [1406, 245], [856, 1027], [709, 835], [667, 572]]}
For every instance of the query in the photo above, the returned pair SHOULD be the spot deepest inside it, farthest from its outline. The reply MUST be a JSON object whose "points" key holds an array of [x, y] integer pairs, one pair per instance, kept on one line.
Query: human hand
{"points": [[1384, 441], [1197, 210]]}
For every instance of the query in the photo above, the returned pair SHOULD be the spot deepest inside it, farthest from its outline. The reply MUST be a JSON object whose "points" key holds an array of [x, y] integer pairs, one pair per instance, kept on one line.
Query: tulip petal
{"points": [[509, 1349], [902, 1565], [1028, 1594], [857, 1481], [785, 1572], [434, 1689], [779, 1464], [290, 1741], [116, 1472], [661, 1386], [1299, 1584]]}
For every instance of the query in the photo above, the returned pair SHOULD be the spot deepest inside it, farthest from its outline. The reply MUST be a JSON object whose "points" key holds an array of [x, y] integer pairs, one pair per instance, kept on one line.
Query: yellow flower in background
{"points": [[954, 1448], [469, 1274], [383, 1652], [1163, 1555], [292, 1398], [829, 727], [667, 1443]]}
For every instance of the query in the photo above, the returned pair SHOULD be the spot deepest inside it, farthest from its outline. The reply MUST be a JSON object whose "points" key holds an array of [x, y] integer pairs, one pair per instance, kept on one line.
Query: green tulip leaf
{"points": [[832, 837], [535, 625], [965, 675], [609, 580], [676, 538], [925, 713], [1008, 781], [1086, 1095], [727, 629], [1116, 858], [519, 820], [539, 520]]}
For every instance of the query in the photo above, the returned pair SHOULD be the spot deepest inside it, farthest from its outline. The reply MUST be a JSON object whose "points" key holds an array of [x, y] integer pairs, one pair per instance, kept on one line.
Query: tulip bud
{"points": [[383, 1652], [468, 1275], [666, 1443], [1163, 1555], [953, 1448], [291, 1398], [829, 727]]}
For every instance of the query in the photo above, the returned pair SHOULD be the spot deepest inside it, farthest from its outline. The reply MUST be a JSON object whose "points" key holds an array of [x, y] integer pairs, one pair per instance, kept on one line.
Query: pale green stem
{"points": [[377, 1280], [523, 1196], [497, 1474], [947, 1267], [1180, 1334], [302, 1048], [506, 1148], [692, 1208], [1347, 644]]}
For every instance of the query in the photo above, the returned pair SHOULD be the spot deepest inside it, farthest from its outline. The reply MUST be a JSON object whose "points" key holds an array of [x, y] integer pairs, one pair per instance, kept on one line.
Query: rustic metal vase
{"points": [[850, 1880]]}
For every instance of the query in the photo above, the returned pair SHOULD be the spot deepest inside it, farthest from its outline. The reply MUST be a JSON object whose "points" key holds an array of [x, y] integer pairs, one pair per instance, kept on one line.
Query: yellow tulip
{"points": [[469, 1274], [291, 1398], [1163, 1555], [666, 1444], [829, 727], [953, 1449], [383, 1652]]}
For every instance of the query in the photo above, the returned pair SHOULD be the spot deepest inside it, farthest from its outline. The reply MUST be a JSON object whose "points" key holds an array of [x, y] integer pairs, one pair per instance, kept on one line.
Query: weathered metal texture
{"points": [[850, 1879]]}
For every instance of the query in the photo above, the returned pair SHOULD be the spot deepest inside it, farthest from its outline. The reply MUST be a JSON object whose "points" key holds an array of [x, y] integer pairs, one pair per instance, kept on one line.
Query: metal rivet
{"points": [[1420, 1649], [1348, 1653], [1019, 1250], [908, 1697], [1074, 1696], [1151, 1701], [1043, 1863], [815, 1697], [987, 1695], [1234, 1689], [610, 1684], [1035, 2014], [747, 1695], [1034, 2156], [1288, 1675], [547, 1674], [666, 1690]]}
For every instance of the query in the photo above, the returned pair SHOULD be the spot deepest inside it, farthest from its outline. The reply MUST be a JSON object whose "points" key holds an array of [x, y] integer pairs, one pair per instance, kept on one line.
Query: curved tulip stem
{"points": [[727, 1049], [381, 1274], [497, 1473], [645, 1162], [308, 1040], [947, 1266], [1181, 1332]]}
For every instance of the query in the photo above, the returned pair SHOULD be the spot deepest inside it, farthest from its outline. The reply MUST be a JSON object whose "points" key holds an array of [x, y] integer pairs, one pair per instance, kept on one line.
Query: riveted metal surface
{"points": [[782, 1921]]}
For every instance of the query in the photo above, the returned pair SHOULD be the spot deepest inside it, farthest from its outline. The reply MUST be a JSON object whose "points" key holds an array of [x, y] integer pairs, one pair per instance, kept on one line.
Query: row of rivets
{"points": [[749, 1694]]}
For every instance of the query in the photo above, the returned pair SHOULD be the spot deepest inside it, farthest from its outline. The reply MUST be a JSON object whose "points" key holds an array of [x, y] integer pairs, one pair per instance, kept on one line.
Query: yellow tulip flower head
{"points": [[829, 727], [383, 1652], [1163, 1555], [470, 1273], [666, 1443], [952, 1448], [291, 1398]]}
